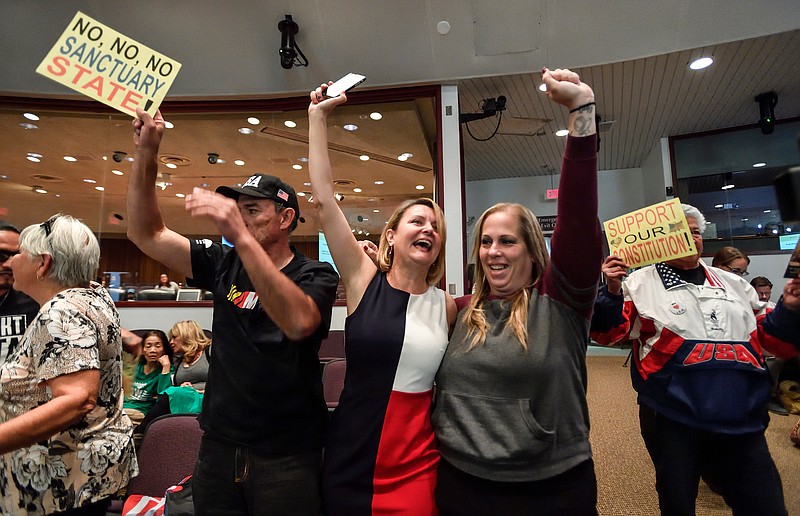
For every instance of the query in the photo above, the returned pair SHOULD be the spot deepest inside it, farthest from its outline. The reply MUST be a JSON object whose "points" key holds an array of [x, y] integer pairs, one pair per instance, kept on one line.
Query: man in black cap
{"points": [[17, 310], [263, 413]]}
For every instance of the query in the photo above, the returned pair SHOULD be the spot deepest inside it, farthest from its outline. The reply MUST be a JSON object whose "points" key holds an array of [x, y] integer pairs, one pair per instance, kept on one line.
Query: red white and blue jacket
{"points": [[697, 349]]}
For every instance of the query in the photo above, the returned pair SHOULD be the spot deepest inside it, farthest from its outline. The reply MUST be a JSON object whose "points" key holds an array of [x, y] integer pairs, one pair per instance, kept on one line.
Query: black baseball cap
{"points": [[266, 187]]}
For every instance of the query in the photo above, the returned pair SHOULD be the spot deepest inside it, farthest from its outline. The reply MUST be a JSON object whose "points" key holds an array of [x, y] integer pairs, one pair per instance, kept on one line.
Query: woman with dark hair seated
{"points": [[153, 375], [185, 394], [65, 445]]}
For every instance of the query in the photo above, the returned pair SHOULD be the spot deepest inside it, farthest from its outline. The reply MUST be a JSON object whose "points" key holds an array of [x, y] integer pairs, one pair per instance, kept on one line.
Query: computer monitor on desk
{"points": [[190, 294]]}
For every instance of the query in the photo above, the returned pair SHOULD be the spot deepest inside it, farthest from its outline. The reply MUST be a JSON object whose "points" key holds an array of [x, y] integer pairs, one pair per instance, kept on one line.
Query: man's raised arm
{"points": [[146, 226]]}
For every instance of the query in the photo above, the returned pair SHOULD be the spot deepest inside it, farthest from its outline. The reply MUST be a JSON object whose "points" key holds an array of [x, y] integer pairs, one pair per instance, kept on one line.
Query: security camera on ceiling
{"points": [[118, 156], [213, 157], [289, 52], [766, 111]]}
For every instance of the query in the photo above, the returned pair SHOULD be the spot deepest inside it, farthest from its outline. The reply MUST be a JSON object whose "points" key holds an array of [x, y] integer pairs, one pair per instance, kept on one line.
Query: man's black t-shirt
{"points": [[17, 310], [264, 391]]}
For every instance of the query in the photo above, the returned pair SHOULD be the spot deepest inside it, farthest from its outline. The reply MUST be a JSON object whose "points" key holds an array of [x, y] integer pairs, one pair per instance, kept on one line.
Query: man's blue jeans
{"points": [[232, 480]]}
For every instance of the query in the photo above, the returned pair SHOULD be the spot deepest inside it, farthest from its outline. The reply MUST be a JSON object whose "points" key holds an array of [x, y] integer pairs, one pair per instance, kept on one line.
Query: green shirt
{"points": [[146, 388]]}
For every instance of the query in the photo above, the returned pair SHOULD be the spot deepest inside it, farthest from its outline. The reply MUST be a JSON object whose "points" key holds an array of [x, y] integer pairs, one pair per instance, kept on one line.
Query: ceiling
{"points": [[640, 101], [646, 99]]}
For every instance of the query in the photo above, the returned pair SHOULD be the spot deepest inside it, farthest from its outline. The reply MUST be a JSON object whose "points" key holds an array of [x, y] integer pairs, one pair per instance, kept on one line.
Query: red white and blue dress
{"points": [[381, 456]]}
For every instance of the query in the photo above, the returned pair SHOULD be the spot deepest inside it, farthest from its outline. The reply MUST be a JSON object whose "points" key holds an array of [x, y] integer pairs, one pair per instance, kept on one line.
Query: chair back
{"points": [[333, 381], [332, 346], [167, 454]]}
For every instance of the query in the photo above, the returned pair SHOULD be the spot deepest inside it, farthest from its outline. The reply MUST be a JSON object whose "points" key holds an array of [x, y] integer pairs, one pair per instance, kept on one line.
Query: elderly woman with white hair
{"points": [[698, 368], [65, 441]]}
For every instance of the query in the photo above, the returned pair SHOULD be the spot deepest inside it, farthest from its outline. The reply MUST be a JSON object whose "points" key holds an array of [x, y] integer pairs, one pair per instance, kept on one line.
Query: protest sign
{"points": [[653, 234], [105, 65]]}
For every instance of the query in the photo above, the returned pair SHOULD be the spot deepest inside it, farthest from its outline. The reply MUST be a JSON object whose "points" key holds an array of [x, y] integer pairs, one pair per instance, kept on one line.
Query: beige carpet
{"points": [[626, 481]]}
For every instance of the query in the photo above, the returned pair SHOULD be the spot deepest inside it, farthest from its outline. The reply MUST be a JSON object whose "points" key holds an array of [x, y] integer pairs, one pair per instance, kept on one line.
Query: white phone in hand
{"points": [[346, 83]]}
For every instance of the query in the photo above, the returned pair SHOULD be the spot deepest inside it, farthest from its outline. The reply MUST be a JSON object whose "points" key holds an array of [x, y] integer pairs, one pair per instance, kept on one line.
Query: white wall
{"points": [[134, 318], [657, 171], [619, 191]]}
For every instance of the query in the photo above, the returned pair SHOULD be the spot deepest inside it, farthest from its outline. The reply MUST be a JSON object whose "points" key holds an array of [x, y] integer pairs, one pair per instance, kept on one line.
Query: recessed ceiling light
{"points": [[699, 64], [788, 229], [759, 165], [168, 124], [376, 211], [379, 182], [117, 172], [297, 167], [350, 127], [246, 130], [745, 219], [69, 158], [543, 87], [306, 184], [357, 190], [364, 157], [375, 115], [727, 187], [29, 126], [39, 189], [171, 165], [237, 162], [402, 157], [90, 181], [253, 120], [105, 158], [99, 188], [774, 231], [31, 116], [364, 219], [562, 132], [180, 195], [290, 124], [34, 159], [767, 211], [129, 159], [718, 206], [301, 194], [303, 159], [3, 176], [420, 187], [35, 154]]}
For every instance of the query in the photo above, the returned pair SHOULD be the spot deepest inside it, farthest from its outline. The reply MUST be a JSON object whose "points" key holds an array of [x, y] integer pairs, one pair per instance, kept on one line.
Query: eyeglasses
{"points": [[48, 225], [5, 255], [738, 272]]}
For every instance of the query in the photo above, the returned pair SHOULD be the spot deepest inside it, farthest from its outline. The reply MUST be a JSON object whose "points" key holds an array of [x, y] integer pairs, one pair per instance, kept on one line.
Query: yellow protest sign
{"points": [[653, 234], [103, 64]]}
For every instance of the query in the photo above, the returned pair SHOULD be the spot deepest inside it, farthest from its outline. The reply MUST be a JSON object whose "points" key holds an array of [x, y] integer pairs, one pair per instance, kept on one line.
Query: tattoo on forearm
{"points": [[583, 123]]}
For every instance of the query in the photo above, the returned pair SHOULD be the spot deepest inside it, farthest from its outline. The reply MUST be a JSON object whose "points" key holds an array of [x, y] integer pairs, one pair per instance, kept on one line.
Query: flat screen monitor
{"points": [[189, 294]]}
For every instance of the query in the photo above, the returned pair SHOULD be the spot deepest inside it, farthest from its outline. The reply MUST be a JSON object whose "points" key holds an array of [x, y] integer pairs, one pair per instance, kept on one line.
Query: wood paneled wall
{"points": [[120, 254]]}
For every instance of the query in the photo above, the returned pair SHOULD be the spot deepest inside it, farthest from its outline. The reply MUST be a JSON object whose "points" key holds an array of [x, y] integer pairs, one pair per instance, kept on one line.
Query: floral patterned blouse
{"points": [[76, 330]]}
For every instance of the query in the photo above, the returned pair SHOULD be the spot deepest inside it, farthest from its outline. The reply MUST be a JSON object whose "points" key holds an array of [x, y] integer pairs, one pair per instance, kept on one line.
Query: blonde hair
{"points": [[530, 233], [385, 255], [193, 337]]}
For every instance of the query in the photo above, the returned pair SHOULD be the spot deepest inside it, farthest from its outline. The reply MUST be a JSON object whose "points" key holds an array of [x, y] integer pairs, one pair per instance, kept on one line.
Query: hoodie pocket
{"points": [[494, 429]]}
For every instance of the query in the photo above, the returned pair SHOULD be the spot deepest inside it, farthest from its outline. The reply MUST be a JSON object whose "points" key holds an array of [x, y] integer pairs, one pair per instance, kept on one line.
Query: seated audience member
{"points": [[65, 445], [698, 334], [732, 260], [763, 288], [191, 372], [153, 375], [164, 283]]}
